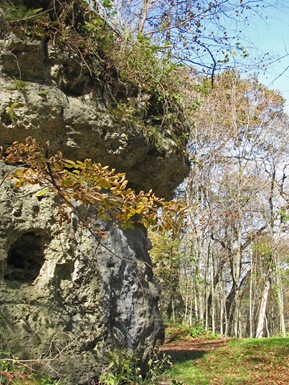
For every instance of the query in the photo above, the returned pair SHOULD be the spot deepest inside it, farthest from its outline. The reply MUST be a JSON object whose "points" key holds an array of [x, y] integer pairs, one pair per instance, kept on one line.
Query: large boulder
{"points": [[68, 295]]}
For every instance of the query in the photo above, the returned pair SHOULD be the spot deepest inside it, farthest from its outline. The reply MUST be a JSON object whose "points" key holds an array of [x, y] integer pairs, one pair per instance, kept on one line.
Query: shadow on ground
{"points": [[190, 350]]}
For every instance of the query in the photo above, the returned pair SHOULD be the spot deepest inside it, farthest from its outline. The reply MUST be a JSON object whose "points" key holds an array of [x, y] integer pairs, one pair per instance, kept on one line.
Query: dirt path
{"points": [[194, 348], [194, 344]]}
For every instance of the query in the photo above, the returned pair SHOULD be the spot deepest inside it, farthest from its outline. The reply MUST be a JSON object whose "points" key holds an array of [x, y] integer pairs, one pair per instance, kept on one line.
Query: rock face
{"points": [[54, 99], [67, 296]]}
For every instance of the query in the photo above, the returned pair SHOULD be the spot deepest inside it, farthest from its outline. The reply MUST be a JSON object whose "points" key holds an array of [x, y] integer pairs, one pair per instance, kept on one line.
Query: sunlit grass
{"points": [[244, 361]]}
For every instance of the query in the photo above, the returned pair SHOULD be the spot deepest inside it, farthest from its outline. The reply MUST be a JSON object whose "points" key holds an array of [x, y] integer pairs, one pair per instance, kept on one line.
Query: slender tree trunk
{"points": [[143, 16], [186, 300], [235, 314], [222, 310], [213, 315], [281, 313], [280, 299], [251, 305], [221, 317], [191, 310], [169, 25], [196, 300], [261, 326]]}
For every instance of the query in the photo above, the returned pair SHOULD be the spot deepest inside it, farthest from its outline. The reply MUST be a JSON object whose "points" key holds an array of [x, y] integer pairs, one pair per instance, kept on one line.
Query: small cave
{"points": [[26, 257]]}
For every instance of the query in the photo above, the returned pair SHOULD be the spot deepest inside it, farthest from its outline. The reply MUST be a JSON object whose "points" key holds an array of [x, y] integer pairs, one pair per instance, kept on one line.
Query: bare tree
{"points": [[204, 34], [234, 196]]}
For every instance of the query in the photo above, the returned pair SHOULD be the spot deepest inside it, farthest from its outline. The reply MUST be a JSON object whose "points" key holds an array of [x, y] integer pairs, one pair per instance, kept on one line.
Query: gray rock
{"points": [[67, 296], [46, 94]]}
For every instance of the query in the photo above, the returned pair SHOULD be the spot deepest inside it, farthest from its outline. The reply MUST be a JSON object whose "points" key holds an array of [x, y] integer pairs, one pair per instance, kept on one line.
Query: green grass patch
{"points": [[242, 361]]}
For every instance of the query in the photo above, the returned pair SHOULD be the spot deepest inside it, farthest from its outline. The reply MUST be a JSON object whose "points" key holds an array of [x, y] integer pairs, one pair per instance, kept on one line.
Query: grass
{"points": [[240, 362]]}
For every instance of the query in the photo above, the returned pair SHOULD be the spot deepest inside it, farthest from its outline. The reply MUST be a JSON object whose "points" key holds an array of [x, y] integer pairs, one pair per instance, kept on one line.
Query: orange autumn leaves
{"points": [[91, 183]]}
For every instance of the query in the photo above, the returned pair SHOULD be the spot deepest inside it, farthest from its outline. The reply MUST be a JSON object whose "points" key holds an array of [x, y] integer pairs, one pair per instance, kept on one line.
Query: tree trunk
{"points": [[261, 326], [280, 299]]}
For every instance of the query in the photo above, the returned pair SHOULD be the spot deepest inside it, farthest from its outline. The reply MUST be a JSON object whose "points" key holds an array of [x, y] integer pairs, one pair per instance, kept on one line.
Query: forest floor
{"points": [[202, 361], [227, 362]]}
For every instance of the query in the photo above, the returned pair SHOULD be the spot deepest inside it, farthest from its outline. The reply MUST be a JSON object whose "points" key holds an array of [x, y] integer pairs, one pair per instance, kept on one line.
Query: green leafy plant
{"points": [[158, 365], [139, 62], [21, 13], [183, 331], [11, 111], [177, 332], [44, 380], [10, 369], [4, 362], [197, 331], [122, 369], [18, 85], [14, 371]]}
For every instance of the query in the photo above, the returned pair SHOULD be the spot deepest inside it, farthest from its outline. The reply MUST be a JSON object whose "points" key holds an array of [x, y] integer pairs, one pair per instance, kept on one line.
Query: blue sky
{"points": [[271, 34]]}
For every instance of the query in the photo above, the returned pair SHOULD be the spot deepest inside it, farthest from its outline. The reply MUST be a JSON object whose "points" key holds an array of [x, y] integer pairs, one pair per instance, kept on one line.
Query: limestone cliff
{"points": [[50, 92], [68, 297]]}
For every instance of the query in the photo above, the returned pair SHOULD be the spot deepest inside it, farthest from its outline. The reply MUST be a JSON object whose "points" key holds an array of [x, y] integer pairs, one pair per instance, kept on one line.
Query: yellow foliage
{"points": [[92, 184]]}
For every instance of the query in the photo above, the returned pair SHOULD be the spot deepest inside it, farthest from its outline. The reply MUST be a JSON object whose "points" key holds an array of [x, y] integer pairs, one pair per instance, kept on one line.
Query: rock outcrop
{"points": [[68, 296], [47, 93]]}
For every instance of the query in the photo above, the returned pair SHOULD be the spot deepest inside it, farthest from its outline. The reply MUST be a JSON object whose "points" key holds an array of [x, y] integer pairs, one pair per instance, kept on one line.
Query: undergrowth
{"points": [[132, 70], [18, 372], [121, 369], [184, 331]]}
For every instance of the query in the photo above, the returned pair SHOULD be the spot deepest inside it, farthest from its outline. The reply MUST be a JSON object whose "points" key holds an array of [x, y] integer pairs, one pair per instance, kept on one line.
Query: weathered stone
{"points": [[46, 94], [67, 296]]}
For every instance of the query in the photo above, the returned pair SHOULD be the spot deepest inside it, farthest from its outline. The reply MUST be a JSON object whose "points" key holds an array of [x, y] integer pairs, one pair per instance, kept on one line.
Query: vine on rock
{"points": [[90, 183]]}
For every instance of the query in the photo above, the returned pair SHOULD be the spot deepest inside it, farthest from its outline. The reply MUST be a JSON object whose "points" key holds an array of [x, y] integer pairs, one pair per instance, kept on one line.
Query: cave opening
{"points": [[26, 257]]}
